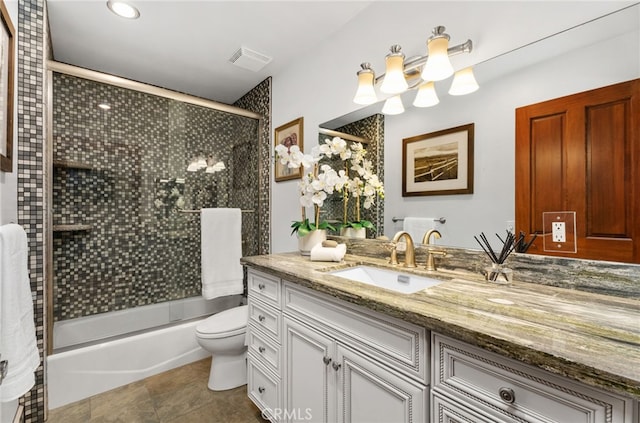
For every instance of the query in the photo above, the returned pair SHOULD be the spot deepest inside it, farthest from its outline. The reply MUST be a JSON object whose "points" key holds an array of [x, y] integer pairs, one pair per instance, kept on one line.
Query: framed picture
{"points": [[6, 90], [439, 163], [289, 134]]}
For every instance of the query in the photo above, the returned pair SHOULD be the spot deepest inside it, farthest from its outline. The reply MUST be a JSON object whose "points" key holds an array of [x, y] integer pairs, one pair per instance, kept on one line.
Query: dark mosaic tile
{"points": [[123, 173]]}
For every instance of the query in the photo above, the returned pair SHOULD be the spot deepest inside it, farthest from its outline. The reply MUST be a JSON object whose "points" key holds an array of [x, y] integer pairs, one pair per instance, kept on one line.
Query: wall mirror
{"points": [[369, 132], [597, 53]]}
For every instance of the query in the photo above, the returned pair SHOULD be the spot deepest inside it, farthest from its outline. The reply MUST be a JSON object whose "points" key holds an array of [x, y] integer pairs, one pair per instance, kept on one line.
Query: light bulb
{"points": [[393, 106], [394, 81], [463, 82]]}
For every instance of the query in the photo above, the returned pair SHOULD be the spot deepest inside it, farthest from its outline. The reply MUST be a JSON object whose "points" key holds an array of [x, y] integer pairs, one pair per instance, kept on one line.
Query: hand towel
{"points": [[418, 226], [320, 253], [221, 241], [18, 332]]}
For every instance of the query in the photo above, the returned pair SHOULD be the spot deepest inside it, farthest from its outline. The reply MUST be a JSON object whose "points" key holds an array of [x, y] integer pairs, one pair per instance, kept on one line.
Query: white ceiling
{"points": [[186, 45]]}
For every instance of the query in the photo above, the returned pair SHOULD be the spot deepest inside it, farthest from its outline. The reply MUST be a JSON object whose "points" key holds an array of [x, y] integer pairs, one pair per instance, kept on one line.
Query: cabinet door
{"points": [[308, 374], [369, 392]]}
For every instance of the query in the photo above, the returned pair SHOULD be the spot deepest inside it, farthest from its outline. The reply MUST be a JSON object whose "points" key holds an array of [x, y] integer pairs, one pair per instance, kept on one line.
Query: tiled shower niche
{"points": [[120, 185]]}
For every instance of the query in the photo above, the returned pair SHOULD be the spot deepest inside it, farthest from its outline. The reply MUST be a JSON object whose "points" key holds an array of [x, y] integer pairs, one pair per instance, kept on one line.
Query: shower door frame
{"points": [[104, 78]]}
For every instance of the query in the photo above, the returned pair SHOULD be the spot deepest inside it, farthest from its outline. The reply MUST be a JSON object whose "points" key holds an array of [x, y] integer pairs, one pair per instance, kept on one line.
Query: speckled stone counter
{"points": [[584, 336]]}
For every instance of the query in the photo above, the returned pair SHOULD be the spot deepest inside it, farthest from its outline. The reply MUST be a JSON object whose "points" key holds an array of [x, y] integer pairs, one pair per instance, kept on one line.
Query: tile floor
{"points": [[176, 396]]}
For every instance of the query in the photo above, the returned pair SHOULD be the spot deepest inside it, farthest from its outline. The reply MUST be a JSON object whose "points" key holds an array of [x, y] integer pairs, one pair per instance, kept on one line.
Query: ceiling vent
{"points": [[249, 59]]}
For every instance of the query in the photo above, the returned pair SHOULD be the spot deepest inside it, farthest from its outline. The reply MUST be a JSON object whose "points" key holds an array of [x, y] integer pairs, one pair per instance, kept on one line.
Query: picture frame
{"points": [[289, 134], [7, 46], [438, 163]]}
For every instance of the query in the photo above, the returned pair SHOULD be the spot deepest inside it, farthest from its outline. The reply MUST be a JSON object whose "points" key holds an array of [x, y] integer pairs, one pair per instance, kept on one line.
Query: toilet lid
{"points": [[228, 322]]}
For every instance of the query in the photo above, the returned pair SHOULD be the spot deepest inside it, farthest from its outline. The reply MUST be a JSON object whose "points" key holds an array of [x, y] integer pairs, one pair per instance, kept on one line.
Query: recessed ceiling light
{"points": [[123, 9], [104, 106]]}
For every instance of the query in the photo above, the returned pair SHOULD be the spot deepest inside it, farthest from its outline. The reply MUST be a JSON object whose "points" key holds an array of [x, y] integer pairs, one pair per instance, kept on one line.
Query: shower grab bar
{"points": [[198, 211]]}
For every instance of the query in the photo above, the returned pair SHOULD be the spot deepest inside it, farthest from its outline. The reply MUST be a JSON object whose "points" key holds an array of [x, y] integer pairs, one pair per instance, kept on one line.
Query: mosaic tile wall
{"points": [[258, 100], [122, 173], [370, 128], [32, 45]]}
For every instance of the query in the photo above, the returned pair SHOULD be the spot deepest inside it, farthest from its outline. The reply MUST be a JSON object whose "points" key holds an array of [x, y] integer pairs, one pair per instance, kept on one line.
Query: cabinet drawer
{"points": [[264, 287], [263, 388], [392, 341], [265, 318], [443, 410], [508, 388], [263, 349]]}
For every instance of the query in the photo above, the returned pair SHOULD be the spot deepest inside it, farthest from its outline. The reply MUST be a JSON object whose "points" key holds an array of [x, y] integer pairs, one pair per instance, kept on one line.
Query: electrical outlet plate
{"points": [[559, 231]]}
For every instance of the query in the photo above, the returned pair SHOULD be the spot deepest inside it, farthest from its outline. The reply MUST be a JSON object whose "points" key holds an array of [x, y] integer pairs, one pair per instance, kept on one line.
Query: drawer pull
{"points": [[507, 395], [336, 366], [326, 360], [261, 286], [261, 317], [261, 349], [261, 389]]}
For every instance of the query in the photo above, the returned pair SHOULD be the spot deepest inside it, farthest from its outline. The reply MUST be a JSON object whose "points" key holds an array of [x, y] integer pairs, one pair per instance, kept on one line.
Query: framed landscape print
{"points": [[438, 163], [289, 134], [6, 90]]}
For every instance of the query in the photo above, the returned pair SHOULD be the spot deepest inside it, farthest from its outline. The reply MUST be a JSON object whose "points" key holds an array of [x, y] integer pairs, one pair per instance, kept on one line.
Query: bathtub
{"points": [[77, 373]]}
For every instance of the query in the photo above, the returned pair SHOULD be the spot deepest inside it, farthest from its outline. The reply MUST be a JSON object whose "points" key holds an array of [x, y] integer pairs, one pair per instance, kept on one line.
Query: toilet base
{"points": [[227, 372]]}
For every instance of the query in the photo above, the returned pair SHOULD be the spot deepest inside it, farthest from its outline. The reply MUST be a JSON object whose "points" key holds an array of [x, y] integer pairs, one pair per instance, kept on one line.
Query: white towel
{"points": [[221, 240], [18, 332], [418, 226], [320, 253]]}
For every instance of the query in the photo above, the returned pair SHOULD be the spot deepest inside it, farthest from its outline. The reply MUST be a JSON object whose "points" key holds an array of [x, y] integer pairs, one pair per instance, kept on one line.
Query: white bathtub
{"points": [[79, 373]]}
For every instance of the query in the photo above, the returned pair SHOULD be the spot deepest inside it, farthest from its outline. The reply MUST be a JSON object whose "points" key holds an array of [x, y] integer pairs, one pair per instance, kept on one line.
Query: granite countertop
{"points": [[588, 337]]}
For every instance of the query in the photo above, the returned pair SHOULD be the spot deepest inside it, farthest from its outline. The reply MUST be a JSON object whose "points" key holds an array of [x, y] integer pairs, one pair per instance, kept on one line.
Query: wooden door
{"points": [[582, 153]]}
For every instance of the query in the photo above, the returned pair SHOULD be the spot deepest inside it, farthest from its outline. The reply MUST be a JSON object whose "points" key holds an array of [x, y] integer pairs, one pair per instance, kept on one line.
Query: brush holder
{"points": [[498, 273]]}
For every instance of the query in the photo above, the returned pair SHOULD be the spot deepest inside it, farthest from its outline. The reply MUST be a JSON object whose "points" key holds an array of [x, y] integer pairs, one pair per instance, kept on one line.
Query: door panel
{"points": [[580, 153]]}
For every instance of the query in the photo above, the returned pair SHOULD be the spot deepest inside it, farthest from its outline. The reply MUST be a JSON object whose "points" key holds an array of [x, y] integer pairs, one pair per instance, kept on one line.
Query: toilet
{"points": [[223, 335]]}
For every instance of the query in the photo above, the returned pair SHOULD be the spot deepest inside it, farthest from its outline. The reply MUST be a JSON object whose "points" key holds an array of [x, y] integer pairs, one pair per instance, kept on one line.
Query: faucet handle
{"points": [[393, 248]]}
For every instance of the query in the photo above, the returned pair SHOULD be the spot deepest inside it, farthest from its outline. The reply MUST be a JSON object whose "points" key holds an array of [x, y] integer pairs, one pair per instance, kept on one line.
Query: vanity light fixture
{"points": [[200, 162], [426, 96], [438, 66], [366, 93], [393, 106], [123, 9], [463, 82], [417, 73], [394, 81]]}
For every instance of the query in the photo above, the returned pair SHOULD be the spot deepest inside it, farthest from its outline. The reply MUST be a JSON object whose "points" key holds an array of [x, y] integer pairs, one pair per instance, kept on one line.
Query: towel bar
{"points": [[441, 220], [198, 211]]}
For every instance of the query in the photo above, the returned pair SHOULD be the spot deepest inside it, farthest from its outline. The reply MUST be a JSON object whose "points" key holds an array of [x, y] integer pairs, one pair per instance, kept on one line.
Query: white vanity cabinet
{"points": [[264, 358], [473, 385], [346, 364]]}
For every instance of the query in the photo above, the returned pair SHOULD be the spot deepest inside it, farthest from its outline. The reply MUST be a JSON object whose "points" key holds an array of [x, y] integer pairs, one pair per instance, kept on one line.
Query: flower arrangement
{"points": [[364, 186], [321, 180], [317, 182], [169, 196]]}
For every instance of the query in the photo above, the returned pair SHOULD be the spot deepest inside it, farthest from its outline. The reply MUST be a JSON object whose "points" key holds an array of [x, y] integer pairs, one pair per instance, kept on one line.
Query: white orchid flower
{"points": [[319, 197], [325, 149], [306, 200]]}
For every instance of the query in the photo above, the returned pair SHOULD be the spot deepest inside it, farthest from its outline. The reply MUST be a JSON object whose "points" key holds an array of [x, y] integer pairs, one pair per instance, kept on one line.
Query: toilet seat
{"points": [[224, 324]]}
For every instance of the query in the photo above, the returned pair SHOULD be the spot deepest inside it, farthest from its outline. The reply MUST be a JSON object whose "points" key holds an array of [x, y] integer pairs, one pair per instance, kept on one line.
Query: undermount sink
{"points": [[404, 283]]}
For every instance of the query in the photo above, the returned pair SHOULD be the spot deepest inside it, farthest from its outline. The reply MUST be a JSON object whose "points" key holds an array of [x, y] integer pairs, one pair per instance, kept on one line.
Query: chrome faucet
{"points": [[431, 262], [409, 255]]}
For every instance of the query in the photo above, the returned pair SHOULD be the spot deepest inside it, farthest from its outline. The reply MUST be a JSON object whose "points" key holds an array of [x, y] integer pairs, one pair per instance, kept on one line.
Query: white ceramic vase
{"points": [[353, 233], [310, 240]]}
